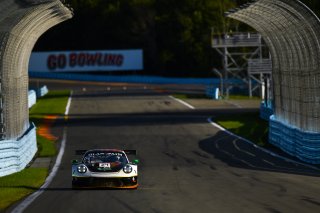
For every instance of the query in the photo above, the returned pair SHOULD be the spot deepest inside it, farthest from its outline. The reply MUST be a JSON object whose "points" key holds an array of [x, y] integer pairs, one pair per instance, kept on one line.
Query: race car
{"points": [[108, 168]]}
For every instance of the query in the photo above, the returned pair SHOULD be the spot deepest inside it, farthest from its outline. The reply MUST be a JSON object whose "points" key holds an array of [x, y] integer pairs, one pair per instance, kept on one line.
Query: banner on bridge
{"points": [[84, 61]]}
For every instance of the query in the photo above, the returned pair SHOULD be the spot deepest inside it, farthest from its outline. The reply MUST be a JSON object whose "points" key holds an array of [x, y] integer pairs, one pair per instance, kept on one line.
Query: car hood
{"points": [[114, 167]]}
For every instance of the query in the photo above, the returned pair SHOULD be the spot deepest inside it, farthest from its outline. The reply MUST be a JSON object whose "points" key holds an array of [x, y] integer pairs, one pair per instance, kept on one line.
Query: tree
{"points": [[175, 35]]}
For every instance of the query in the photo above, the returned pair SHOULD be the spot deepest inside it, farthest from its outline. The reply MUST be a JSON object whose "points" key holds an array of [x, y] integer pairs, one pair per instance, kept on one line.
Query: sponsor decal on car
{"points": [[105, 165]]}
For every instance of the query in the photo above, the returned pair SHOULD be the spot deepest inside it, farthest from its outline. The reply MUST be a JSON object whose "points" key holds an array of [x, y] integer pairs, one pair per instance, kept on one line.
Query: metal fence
{"points": [[291, 31], [22, 22]]}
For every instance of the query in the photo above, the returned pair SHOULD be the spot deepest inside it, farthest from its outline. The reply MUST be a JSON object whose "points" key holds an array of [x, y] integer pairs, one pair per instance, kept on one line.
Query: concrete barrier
{"points": [[43, 91], [16, 154], [32, 98], [303, 145]]}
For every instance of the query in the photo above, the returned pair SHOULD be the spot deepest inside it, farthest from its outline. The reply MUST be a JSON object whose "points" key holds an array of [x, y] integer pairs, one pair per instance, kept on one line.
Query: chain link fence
{"points": [[291, 31], [22, 22]]}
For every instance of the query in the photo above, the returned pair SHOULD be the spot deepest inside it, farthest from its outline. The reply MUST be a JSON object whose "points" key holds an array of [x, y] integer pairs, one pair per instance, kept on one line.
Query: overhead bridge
{"points": [[291, 31], [22, 22]]}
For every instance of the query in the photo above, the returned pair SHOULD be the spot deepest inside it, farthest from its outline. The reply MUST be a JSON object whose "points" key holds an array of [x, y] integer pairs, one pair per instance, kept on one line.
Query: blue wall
{"points": [[129, 78], [303, 145], [266, 110]]}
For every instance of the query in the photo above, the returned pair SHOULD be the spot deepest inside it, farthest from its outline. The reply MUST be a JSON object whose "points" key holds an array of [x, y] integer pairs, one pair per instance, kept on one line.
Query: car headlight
{"points": [[127, 169], [82, 169]]}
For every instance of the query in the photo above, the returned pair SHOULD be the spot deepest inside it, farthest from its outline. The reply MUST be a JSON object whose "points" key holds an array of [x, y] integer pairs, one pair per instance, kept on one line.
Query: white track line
{"points": [[68, 104], [241, 150], [182, 102], [258, 147], [234, 104], [26, 202]]}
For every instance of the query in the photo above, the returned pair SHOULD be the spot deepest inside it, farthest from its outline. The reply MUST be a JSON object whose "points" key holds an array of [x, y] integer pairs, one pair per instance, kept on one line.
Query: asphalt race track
{"points": [[186, 164]]}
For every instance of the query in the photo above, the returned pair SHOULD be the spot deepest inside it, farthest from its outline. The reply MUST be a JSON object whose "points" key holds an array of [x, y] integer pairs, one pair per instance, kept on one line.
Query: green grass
{"points": [[46, 148], [16, 186], [246, 125], [54, 103]]}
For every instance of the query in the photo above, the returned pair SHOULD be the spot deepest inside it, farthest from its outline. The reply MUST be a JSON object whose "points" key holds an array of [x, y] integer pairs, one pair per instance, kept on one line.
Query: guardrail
{"points": [[16, 154]]}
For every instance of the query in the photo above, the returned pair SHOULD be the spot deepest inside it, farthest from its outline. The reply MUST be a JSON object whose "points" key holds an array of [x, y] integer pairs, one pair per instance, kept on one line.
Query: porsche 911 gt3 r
{"points": [[105, 168]]}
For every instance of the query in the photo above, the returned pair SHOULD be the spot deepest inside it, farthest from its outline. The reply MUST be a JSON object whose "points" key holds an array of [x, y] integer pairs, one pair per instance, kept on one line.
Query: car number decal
{"points": [[104, 165]]}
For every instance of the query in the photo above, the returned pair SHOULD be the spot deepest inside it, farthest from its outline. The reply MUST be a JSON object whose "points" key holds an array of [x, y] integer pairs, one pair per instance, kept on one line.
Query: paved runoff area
{"points": [[186, 164]]}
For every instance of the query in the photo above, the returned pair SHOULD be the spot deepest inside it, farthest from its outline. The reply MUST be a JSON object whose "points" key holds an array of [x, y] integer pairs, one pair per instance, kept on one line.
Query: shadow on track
{"points": [[237, 153]]}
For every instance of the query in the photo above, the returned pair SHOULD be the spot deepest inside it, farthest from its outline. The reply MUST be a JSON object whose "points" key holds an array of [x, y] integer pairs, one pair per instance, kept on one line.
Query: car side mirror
{"points": [[135, 162], [74, 161]]}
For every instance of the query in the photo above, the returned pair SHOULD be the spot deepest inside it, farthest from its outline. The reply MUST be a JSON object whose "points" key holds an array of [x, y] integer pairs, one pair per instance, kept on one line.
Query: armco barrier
{"points": [[16, 154], [303, 145], [32, 98], [129, 78]]}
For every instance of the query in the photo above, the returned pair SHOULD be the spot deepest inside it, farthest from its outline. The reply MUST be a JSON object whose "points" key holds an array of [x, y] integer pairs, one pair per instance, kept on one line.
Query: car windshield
{"points": [[104, 157]]}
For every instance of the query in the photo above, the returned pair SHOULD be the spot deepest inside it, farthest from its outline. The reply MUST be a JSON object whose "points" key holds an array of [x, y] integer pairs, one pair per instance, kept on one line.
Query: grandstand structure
{"points": [[22, 22], [243, 59], [291, 32]]}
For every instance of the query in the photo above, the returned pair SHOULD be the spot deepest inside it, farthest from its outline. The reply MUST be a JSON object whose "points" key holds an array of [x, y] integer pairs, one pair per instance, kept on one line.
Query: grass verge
{"points": [[54, 103], [246, 125], [16, 186], [46, 148]]}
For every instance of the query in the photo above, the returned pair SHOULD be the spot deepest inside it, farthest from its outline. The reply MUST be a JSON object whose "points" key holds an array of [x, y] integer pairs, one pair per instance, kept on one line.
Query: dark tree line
{"points": [[175, 35]]}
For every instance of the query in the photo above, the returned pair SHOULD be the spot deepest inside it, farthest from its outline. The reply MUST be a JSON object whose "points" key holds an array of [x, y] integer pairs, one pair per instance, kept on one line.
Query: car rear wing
{"points": [[130, 152], [80, 152], [127, 151]]}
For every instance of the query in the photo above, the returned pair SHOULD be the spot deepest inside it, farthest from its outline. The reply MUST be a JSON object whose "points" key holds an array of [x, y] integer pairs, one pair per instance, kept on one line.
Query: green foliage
{"points": [[16, 186], [54, 103], [46, 148], [175, 35], [247, 125]]}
